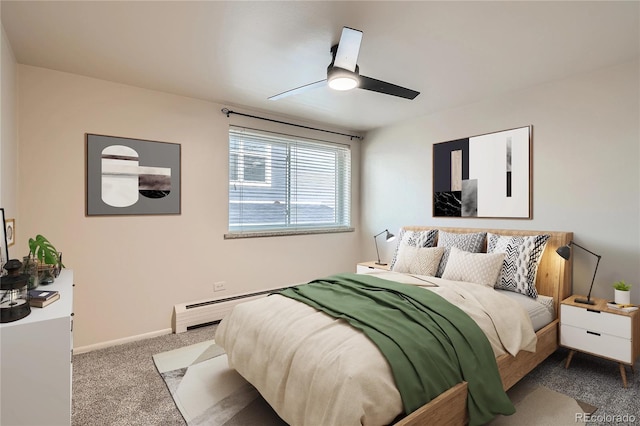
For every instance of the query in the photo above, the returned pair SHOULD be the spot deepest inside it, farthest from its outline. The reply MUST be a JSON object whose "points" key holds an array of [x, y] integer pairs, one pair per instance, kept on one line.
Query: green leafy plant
{"points": [[622, 286], [40, 248]]}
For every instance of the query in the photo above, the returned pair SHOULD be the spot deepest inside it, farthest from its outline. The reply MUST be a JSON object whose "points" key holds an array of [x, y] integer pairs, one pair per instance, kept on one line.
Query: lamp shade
{"points": [[388, 237], [564, 252]]}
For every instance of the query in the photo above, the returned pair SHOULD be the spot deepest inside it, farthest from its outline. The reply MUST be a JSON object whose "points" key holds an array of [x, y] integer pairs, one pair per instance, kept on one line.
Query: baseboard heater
{"points": [[187, 316]]}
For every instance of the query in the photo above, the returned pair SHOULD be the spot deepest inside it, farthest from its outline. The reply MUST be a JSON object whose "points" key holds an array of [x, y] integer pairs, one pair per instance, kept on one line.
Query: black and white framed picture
{"points": [[4, 250], [127, 176], [10, 231], [485, 176]]}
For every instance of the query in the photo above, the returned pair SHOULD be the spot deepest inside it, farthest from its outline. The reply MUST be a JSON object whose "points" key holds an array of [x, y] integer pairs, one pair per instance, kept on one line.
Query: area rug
{"points": [[541, 406], [207, 392]]}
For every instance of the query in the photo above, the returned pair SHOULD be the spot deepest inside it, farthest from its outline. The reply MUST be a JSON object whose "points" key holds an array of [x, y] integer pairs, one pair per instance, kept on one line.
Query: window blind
{"points": [[279, 182], [285, 183]]}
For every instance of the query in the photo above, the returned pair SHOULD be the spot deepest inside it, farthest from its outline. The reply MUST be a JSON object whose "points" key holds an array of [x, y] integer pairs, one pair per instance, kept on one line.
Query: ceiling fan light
{"points": [[343, 83]]}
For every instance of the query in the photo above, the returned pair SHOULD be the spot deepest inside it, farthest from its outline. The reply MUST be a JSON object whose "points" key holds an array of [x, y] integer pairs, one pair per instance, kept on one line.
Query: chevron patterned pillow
{"points": [[520, 266], [473, 243], [415, 239], [479, 268]]}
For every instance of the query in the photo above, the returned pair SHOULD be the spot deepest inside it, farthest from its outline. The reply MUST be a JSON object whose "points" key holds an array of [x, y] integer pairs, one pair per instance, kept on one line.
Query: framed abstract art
{"points": [[485, 176], [127, 176]]}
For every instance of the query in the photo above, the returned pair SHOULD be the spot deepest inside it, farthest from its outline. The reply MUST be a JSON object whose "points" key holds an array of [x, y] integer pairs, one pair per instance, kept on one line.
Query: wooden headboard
{"points": [[554, 273]]}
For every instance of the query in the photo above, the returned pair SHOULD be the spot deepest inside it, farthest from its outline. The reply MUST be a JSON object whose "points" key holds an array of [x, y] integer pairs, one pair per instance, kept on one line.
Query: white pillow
{"points": [[418, 260], [472, 242], [426, 238], [480, 268]]}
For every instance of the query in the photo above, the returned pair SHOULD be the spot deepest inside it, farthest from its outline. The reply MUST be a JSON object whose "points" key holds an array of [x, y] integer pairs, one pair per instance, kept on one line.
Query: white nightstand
{"points": [[367, 267], [601, 331]]}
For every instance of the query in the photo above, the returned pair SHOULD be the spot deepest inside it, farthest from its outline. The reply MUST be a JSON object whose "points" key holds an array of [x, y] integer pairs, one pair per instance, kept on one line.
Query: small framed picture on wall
{"points": [[10, 231]]}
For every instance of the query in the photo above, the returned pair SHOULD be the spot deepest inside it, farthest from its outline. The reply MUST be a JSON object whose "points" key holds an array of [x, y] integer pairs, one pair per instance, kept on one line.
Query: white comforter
{"points": [[316, 370]]}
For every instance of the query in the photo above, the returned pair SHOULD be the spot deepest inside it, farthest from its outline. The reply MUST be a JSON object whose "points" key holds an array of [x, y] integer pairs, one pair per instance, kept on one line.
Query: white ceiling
{"points": [[239, 53]]}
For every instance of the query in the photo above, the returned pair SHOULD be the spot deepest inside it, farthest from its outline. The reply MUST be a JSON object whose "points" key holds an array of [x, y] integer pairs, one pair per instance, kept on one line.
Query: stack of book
{"points": [[42, 298], [620, 307]]}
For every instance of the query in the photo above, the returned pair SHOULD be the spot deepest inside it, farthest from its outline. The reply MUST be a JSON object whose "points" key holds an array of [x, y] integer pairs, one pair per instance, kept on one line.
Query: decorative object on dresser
{"points": [[388, 237], [484, 176], [14, 302], [622, 293], [565, 253], [42, 298], [601, 331], [49, 259]]}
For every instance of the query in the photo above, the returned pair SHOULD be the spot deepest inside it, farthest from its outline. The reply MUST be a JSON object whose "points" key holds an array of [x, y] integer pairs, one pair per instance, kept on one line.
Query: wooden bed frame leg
{"points": [[623, 373], [569, 358]]}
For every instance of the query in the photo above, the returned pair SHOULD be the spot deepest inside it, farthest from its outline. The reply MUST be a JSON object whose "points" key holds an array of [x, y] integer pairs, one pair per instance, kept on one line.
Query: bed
{"points": [[297, 368]]}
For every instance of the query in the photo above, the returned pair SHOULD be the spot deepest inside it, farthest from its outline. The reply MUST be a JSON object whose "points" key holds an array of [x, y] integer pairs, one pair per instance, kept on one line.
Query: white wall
{"points": [[8, 131], [586, 179], [130, 271]]}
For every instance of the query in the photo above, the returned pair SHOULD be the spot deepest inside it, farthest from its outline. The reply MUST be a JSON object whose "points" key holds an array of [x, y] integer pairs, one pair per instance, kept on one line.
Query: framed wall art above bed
{"points": [[485, 176]]}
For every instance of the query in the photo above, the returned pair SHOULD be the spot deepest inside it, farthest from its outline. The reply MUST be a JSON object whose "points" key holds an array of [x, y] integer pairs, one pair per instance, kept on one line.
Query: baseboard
{"points": [[102, 345]]}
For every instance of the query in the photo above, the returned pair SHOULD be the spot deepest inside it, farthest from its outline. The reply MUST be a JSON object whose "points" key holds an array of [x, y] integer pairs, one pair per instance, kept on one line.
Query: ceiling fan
{"points": [[343, 72]]}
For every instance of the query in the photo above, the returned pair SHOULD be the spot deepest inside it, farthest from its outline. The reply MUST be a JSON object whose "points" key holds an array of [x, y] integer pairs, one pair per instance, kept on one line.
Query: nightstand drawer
{"points": [[597, 321], [596, 343], [369, 267], [364, 269]]}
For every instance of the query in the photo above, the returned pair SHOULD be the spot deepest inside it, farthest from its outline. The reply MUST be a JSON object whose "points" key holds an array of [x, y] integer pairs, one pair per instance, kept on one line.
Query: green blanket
{"points": [[430, 344]]}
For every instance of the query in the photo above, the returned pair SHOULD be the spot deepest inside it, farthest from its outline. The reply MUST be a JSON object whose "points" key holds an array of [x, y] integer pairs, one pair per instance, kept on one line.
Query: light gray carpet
{"points": [[121, 385]]}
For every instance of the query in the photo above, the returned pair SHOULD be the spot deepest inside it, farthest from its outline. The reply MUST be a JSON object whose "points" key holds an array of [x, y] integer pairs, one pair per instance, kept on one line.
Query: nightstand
{"points": [[371, 266], [601, 331]]}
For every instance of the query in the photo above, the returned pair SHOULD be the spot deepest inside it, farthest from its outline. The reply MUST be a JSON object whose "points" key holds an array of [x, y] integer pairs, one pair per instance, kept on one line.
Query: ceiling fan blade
{"points": [[348, 49], [300, 89], [368, 83]]}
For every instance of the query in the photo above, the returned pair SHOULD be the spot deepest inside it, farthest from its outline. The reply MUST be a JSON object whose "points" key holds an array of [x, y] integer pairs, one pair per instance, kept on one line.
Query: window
{"points": [[280, 183]]}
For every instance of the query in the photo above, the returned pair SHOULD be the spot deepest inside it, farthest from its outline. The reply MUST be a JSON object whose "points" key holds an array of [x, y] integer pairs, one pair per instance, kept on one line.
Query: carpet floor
{"points": [[121, 385]]}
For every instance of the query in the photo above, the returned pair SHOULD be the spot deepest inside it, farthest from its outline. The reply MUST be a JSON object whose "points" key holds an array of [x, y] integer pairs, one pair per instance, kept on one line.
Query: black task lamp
{"points": [[565, 253], [389, 237]]}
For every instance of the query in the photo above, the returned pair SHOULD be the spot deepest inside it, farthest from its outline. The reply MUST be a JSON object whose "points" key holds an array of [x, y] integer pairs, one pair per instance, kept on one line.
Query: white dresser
{"points": [[35, 362], [599, 330]]}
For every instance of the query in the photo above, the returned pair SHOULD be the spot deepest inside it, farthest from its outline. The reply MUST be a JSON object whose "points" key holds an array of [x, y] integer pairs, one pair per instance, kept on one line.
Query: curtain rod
{"points": [[228, 112]]}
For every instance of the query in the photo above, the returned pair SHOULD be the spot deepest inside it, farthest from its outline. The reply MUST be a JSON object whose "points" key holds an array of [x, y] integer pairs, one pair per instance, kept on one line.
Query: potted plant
{"points": [[49, 259], [622, 293]]}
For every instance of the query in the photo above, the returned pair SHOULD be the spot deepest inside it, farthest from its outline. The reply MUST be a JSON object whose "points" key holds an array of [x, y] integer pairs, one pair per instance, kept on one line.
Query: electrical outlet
{"points": [[219, 286]]}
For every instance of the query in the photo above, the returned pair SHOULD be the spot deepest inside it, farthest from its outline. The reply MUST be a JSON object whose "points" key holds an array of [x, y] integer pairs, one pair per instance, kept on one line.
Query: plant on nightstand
{"points": [[622, 292]]}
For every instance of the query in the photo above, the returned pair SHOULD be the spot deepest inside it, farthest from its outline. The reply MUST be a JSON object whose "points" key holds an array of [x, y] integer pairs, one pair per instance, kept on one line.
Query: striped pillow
{"points": [[520, 266]]}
